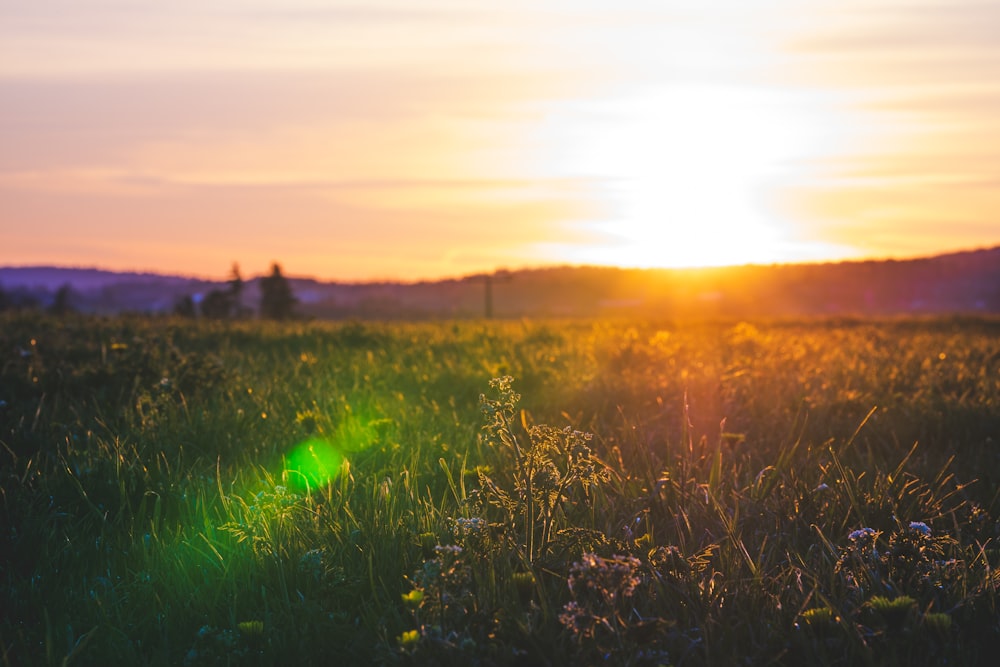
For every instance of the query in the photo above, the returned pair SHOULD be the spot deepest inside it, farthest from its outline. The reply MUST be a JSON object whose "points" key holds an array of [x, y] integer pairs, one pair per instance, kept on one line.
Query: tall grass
{"points": [[774, 492]]}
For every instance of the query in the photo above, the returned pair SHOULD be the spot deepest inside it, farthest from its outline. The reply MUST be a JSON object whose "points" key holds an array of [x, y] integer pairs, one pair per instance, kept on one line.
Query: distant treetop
{"points": [[276, 299]]}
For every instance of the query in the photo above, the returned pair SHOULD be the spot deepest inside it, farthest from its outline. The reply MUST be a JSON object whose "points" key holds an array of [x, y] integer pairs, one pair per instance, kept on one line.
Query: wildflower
{"points": [[473, 534], [860, 562], [445, 585], [413, 599], [577, 620], [863, 539], [861, 533], [448, 550], [920, 527], [469, 526], [611, 578], [822, 487], [546, 477], [408, 640]]}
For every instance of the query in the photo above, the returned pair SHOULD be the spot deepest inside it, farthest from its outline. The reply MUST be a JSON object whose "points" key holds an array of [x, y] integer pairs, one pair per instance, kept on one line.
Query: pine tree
{"points": [[276, 299]]}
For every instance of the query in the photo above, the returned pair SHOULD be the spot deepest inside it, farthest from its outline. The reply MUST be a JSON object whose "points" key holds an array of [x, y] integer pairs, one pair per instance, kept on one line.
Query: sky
{"points": [[401, 140]]}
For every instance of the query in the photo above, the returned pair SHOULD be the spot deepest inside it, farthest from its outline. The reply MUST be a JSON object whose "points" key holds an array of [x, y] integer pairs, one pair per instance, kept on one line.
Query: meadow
{"points": [[499, 493]]}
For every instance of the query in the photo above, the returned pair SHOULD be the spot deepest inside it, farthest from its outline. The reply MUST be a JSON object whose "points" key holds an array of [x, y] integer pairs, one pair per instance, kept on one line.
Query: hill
{"points": [[965, 282]]}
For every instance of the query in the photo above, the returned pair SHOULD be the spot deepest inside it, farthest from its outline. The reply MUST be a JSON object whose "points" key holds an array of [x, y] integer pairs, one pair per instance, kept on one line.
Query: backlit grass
{"points": [[631, 493]]}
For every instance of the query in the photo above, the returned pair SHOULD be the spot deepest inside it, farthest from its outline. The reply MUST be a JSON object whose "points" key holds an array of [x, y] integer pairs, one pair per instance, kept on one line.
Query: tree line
{"points": [[277, 301]]}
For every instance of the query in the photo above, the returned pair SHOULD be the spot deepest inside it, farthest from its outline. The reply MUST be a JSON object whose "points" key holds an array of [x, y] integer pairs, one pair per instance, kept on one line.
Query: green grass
{"points": [[193, 493]]}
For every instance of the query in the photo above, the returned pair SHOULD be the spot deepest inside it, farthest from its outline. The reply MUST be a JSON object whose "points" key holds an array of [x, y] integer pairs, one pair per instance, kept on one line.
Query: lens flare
{"points": [[313, 463]]}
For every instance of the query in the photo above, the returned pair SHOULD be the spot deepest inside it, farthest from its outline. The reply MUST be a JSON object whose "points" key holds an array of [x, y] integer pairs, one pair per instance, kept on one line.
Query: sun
{"points": [[685, 174]]}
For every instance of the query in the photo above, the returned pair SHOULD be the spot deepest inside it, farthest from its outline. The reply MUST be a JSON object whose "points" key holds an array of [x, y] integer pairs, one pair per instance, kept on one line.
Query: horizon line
{"points": [[506, 269]]}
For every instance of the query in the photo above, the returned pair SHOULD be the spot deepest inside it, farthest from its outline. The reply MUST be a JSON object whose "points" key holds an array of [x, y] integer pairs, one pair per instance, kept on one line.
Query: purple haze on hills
{"points": [[966, 282]]}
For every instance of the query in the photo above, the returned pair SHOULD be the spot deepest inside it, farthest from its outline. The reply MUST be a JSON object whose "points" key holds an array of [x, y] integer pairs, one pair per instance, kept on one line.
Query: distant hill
{"points": [[965, 282]]}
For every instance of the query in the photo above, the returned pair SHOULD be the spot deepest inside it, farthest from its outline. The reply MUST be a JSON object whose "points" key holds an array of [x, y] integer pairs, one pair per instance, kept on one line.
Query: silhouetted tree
{"points": [[61, 303], [227, 303], [5, 302], [276, 299], [217, 305], [185, 307], [236, 291]]}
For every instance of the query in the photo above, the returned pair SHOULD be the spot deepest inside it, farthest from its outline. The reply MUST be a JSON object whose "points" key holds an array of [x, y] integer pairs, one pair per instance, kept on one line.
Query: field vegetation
{"points": [[499, 493]]}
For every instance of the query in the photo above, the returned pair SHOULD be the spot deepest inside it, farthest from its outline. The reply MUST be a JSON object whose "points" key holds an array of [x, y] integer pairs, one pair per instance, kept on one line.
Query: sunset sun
{"points": [[687, 171]]}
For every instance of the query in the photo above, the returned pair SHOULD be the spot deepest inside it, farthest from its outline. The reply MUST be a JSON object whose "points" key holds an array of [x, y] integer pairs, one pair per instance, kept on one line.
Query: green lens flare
{"points": [[312, 464]]}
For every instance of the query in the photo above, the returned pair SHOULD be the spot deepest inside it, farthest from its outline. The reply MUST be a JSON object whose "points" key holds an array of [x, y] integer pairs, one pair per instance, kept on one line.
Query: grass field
{"points": [[815, 492]]}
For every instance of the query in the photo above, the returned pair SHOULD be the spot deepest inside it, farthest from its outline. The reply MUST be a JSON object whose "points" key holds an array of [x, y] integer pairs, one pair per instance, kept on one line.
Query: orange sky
{"points": [[402, 140]]}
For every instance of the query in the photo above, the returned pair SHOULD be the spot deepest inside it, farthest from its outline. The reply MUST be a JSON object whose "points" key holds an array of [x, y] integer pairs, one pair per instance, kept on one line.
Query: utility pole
{"points": [[488, 280]]}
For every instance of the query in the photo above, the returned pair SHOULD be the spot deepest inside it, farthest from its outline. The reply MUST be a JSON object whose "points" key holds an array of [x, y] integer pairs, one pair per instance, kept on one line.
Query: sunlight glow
{"points": [[689, 169], [392, 140]]}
